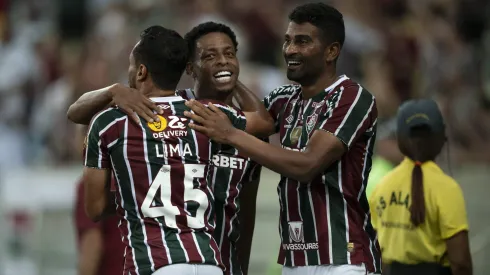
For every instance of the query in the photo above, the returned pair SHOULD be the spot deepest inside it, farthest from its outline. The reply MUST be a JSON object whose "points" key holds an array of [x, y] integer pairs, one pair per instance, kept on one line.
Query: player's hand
{"points": [[211, 121], [134, 103]]}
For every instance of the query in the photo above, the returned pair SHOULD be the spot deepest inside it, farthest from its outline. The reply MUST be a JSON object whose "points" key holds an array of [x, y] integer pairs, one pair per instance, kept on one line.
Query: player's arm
{"points": [[354, 113], [90, 238], [128, 100], [90, 254], [248, 199], [99, 200], [453, 226], [259, 121]]}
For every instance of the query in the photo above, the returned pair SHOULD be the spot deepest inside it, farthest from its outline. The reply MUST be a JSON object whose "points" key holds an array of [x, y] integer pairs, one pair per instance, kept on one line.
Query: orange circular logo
{"points": [[158, 126]]}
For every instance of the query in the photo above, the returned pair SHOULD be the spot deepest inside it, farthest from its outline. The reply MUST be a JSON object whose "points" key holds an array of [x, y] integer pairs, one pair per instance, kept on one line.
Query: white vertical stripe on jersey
{"points": [[362, 122], [125, 217], [346, 117], [167, 249], [281, 205], [327, 200], [185, 205], [287, 218], [345, 208], [90, 127], [370, 140], [128, 167], [298, 183], [150, 181], [239, 187]]}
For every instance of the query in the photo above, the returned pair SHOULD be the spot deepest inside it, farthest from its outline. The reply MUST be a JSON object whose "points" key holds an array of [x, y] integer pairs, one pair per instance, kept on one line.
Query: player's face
{"points": [[216, 65], [304, 53]]}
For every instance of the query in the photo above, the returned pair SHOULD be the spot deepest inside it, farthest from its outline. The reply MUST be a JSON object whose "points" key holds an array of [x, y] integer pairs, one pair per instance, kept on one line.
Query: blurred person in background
{"points": [[327, 126], [214, 67], [418, 211], [20, 76], [100, 249]]}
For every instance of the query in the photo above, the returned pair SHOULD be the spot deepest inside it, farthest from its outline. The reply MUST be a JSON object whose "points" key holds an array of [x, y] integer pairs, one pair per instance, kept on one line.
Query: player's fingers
{"points": [[154, 107], [215, 109], [139, 112], [131, 114], [196, 127], [146, 111], [197, 108], [135, 118], [195, 117]]}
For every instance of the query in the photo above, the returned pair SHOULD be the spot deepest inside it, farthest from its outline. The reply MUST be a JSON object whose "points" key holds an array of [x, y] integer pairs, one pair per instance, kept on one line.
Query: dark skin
{"points": [[215, 52], [316, 71], [99, 201]]}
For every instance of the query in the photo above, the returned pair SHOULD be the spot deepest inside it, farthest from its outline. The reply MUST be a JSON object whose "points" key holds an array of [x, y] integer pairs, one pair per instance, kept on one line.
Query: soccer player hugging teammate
{"points": [[214, 67], [327, 127], [164, 201], [234, 178]]}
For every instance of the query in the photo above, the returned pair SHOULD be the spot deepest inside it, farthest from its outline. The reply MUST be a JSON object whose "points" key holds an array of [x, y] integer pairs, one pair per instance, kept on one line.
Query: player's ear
{"points": [[189, 70], [142, 73], [332, 51]]}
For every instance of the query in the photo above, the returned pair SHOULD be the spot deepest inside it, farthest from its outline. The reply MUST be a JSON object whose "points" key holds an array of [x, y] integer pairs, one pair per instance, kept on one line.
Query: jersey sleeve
{"points": [[451, 210], [276, 101], [236, 116], [350, 115], [102, 132]]}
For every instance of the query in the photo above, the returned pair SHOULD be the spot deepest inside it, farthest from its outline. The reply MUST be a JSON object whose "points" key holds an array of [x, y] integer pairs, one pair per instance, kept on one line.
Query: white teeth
{"points": [[222, 73], [223, 79], [293, 63]]}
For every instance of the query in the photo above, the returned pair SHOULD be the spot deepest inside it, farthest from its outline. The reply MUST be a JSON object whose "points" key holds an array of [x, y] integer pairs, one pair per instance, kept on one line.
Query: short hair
{"points": [[164, 52], [326, 18], [205, 28]]}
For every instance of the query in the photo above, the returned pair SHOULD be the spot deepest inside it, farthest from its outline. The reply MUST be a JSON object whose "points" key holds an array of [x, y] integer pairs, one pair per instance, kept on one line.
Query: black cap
{"points": [[419, 112]]}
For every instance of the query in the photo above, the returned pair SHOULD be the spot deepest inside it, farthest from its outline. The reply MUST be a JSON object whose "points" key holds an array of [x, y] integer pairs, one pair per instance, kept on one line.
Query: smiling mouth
{"points": [[223, 76], [293, 63]]}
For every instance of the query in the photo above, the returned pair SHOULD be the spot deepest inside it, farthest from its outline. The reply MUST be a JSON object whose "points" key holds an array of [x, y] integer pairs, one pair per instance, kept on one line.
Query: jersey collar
{"points": [[166, 99], [341, 79]]}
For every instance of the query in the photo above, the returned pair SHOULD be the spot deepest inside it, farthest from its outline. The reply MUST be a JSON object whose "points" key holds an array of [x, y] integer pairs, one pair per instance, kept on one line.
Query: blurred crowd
{"points": [[52, 51]]}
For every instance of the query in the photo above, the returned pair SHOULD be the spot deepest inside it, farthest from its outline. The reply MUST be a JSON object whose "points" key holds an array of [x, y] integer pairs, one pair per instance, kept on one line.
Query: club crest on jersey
{"points": [[311, 122], [158, 126], [296, 233], [295, 135]]}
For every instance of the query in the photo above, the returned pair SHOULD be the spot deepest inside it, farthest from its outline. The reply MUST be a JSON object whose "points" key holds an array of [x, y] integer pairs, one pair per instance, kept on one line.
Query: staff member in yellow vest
{"points": [[418, 211]]}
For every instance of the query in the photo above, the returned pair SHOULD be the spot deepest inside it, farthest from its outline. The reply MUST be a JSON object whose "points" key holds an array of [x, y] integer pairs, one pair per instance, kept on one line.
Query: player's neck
{"points": [[204, 93], [158, 93], [318, 86]]}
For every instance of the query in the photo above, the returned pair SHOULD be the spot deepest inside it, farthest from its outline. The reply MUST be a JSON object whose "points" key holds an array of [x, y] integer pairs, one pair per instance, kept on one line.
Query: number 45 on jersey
{"points": [[170, 210]]}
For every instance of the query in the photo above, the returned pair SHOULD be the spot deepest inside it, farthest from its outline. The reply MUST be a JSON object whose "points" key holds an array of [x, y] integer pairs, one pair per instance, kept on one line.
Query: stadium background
{"points": [[52, 51]]}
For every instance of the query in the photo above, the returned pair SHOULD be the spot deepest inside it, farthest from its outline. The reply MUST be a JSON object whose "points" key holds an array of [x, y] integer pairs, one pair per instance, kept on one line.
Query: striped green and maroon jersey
{"points": [[162, 169], [229, 172], [327, 221]]}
